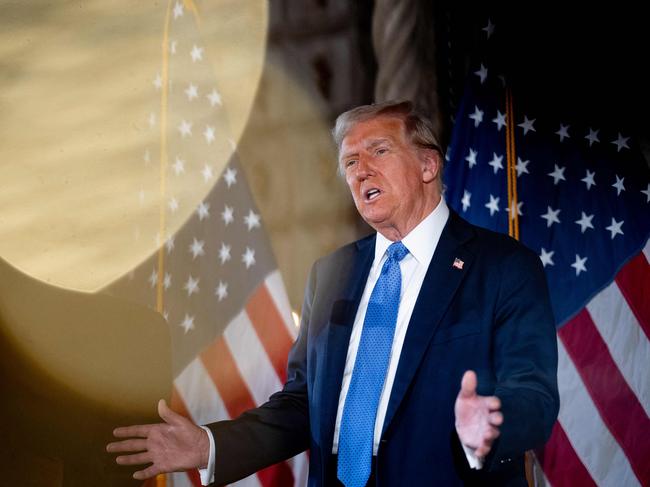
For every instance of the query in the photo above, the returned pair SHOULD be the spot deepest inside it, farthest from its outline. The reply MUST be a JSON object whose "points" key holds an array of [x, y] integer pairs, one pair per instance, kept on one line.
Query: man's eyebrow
{"points": [[375, 142]]}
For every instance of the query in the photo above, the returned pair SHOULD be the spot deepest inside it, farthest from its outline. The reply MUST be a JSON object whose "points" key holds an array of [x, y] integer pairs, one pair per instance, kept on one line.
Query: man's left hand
{"points": [[477, 417]]}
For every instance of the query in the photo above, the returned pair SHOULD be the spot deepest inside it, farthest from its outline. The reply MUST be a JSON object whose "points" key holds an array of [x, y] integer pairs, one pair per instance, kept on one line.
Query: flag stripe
{"points": [[277, 291], [270, 328], [634, 282], [259, 375], [560, 463], [222, 368], [624, 338], [591, 440], [612, 396]]}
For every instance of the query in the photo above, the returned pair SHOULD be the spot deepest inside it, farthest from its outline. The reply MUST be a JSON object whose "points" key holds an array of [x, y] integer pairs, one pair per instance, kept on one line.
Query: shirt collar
{"points": [[422, 241]]}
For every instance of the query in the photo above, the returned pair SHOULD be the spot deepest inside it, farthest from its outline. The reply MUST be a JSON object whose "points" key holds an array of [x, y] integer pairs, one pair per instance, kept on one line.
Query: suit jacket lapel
{"points": [[344, 310], [440, 284]]}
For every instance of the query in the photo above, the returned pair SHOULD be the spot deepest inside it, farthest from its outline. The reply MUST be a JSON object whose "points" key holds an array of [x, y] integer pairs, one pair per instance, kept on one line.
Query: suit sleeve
{"points": [[525, 359], [278, 429]]}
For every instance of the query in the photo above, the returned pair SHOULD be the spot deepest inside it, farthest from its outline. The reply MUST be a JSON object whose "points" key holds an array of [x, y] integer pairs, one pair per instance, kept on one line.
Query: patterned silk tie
{"points": [[360, 410]]}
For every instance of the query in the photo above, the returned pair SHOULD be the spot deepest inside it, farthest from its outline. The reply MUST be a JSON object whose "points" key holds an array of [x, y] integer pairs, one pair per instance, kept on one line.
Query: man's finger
{"points": [[167, 414], [495, 418], [135, 431], [147, 473], [468, 384], [127, 445], [137, 459], [493, 403]]}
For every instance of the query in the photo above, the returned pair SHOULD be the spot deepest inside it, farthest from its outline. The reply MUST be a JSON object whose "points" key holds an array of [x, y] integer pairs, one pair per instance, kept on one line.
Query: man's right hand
{"points": [[172, 446]]}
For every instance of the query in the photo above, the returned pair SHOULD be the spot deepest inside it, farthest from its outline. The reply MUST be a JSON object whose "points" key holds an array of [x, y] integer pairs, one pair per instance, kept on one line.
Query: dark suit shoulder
{"points": [[346, 252]]}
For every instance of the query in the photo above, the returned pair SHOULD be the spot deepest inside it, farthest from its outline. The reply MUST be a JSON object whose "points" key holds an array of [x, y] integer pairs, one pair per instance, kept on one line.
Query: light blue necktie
{"points": [[360, 410]]}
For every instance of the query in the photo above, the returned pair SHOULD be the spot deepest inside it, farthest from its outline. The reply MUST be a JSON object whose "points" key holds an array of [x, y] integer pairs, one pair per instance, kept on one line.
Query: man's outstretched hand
{"points": [[477, 417], [175, 445]]}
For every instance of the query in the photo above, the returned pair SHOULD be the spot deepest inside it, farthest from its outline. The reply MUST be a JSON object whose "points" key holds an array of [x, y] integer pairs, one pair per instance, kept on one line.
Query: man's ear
{"points": [[431, 164]]}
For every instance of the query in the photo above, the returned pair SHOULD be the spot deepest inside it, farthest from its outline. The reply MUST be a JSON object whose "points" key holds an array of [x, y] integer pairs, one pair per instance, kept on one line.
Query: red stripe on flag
{"points": [[270, 329], [617, 404], [634, 282], [222, 368], [560, 463], [178, 405]]}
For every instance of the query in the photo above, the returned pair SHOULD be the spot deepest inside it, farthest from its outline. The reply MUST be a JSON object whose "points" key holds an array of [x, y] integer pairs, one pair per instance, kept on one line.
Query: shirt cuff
{"points": [[207, 473], [474, 462]]}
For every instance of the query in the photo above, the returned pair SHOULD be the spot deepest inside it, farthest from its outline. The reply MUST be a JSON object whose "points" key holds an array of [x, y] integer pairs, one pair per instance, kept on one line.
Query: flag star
{"points": [[547, 257], [157, 82], [224, 253], [196, 53], [563, 132], [252, 220], [489, 28], [589, 179], [585, 222], [500, 120], [527, 125], [592, 137], [621, 142], [519, 211], [466, 200], [191, 286], [579, 264], [167, 282], [248, 257], [192, 92], [557, 174], [196, 248], [173, 205], [178, 10], [185, 128], [493, 205], [152, 120], [187, 323], [153, 278], [169, 244], [208, 133], [230, 176], [471, 158], [646, 192], [615, 228], [551, 216], [521, 167], [207, 173], [166, 315], [482, 73], [221, 291], [172, 46], [227, 215], [496, 162], [178, 166], [203, 210], [214, 97], [619, 185], [477, 116]]}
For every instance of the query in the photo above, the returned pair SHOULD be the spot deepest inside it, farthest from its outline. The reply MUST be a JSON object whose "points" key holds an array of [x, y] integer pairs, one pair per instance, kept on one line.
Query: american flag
{"points": [[214, 277], [583, 205]]}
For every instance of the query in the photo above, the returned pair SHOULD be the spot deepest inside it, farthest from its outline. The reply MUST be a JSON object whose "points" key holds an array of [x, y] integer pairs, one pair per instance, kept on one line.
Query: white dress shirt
{"points": [[421, 243]]}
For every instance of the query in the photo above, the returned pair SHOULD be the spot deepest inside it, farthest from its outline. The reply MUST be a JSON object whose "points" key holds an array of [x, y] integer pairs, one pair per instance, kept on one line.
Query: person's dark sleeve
{"points": [[525, 359]]}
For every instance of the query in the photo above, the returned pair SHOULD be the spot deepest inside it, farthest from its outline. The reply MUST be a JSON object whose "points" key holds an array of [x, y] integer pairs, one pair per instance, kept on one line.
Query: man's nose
{"points": [[364, 167]]}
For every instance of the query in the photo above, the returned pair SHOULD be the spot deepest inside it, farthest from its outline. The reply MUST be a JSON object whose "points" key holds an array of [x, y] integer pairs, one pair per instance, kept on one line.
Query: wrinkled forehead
{"points": [[369, 133]]}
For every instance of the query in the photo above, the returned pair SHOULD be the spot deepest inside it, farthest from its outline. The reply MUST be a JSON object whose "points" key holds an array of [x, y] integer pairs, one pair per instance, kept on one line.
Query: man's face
{"points": [[392, 182]]}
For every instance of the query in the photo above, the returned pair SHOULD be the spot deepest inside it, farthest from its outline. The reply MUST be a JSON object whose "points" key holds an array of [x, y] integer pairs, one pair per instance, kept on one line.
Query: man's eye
{"points": [[381, 151], [350, 162]]}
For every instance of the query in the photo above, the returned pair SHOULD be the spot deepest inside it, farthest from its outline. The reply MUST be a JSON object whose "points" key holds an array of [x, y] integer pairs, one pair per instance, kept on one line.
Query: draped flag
{"points": [[582, 201], [214, 280]]}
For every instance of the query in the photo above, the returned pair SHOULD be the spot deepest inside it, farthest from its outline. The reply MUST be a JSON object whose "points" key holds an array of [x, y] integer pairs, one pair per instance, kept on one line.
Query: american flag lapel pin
{"points": [[458, 264]]}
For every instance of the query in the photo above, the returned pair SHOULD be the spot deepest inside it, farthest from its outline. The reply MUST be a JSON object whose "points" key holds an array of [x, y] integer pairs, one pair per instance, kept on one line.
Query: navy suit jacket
{"points": [[492, 316]]}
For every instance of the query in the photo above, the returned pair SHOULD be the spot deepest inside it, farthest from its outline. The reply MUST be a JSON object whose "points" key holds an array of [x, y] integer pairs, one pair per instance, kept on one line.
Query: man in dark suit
{"points": [[392, 325]]}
